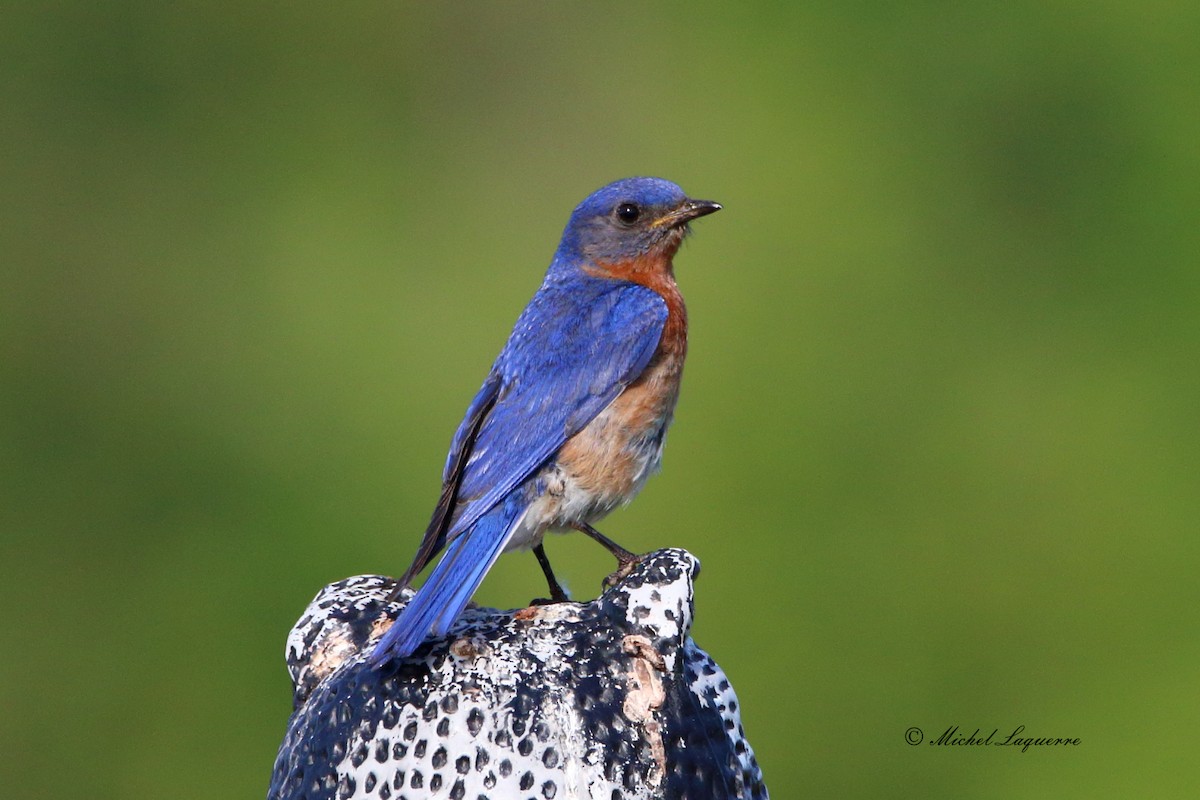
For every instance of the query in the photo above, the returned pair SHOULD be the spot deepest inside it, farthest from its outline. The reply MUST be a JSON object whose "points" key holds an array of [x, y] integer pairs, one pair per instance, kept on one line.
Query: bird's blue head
{"points": [[630, 219]]}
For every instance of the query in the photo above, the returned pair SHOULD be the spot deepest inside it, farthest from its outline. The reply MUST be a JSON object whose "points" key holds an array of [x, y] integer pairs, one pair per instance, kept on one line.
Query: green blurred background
{"points": [[937, 447]]}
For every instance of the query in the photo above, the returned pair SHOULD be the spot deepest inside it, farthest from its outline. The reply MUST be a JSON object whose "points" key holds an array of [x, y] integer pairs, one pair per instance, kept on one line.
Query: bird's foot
{"points": [[626, 561], [549, 601]]}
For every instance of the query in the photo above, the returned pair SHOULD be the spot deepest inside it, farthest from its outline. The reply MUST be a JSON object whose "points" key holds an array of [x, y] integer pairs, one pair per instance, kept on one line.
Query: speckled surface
{"points": [[608, 700]]}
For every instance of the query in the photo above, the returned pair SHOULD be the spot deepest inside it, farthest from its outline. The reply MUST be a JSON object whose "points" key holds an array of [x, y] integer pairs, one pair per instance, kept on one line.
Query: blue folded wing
{"points": [[576, 346]]}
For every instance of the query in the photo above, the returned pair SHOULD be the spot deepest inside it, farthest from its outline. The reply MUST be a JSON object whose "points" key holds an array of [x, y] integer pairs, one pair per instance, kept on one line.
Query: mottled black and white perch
{"points": [[605, 700]]}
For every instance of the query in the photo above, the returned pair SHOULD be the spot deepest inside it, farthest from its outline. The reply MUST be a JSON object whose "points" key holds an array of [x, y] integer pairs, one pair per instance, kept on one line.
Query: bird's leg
{"points": [[625, 559], [557, 594]]}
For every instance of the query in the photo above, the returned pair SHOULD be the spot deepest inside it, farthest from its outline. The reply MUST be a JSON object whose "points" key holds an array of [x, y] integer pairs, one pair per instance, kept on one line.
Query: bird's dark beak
{"points": [[687, 212]]}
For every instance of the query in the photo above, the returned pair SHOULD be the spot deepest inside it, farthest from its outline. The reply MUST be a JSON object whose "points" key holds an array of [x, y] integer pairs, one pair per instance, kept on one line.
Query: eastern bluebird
{"points": [[570, 420]]}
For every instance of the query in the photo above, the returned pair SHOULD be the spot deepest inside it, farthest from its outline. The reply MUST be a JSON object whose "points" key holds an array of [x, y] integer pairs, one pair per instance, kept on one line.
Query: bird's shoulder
{"points": [[579, 315], [654, 273]]}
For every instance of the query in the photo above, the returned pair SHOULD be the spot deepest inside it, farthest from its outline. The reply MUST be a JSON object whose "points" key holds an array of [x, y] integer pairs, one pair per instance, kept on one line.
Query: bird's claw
{"points": [[625, 565], [554, 599]]}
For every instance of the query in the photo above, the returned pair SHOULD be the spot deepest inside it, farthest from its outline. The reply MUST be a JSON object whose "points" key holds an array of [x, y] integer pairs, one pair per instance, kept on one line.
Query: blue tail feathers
{"points": [[450, 585]]}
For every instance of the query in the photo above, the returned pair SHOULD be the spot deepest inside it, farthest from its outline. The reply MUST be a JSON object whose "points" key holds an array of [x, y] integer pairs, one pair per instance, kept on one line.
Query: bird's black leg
{"points": [[625, 559], [557, 595]]}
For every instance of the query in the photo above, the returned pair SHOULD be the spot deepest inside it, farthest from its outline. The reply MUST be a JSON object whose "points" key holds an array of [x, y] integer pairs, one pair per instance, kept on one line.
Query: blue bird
{"points": [[571, 418]]}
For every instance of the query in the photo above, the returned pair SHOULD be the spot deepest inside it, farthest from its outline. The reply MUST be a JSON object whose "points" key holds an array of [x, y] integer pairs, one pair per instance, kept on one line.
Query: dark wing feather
{"points": [[460, 448]]}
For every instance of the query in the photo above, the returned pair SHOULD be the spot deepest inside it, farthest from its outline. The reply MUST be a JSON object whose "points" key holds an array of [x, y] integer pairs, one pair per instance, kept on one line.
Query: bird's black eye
{"points": [[628, 213]]}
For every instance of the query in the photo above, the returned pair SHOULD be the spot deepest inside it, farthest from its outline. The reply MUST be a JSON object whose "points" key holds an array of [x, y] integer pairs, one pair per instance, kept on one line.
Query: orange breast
{"points": [[615, 453]]}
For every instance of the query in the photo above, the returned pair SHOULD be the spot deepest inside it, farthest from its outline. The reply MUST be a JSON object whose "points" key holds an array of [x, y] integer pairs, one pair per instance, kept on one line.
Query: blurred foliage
{"points": [[937, 447]]}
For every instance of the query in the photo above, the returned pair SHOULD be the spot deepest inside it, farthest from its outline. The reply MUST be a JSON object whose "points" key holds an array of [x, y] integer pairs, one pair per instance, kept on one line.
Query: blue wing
{"points": [[576, 346]]}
